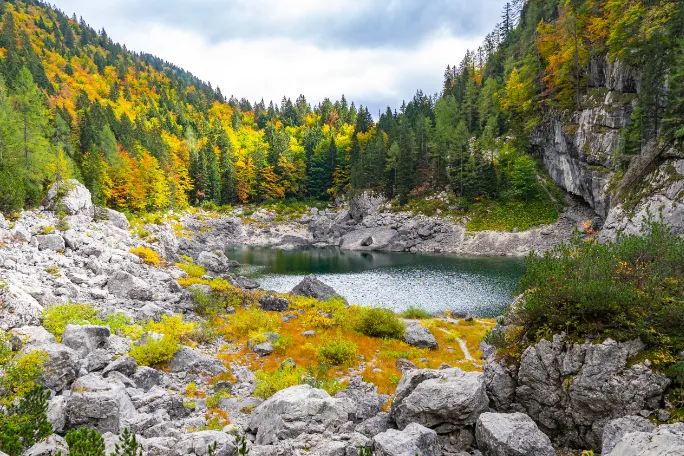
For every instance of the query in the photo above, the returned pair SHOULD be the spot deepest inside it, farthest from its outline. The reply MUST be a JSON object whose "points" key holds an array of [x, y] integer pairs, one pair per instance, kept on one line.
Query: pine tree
{"points": [[128, 445], [85, 442]]}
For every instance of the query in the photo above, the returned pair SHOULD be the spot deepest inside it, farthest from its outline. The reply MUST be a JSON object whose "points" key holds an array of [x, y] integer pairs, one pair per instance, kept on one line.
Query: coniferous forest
{"points": [[144, 135]]}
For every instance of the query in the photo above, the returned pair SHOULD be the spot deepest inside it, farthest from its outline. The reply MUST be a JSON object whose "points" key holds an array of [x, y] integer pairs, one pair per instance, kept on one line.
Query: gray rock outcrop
{"points": [[444, 400], [100, 403], [190, 360], [665, 440], [296, 410], [72, 197], [51, 446], [125, 285], [413, 439], [511, 434], [618, 428], [85, 339]]}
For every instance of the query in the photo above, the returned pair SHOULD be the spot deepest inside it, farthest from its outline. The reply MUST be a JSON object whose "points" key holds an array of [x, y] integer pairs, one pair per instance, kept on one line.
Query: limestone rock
{"points": [[364, 399], [56, 413], [116, 218], [511, 434], [190, 360], [375, 425], [99, 403], [667, 439], [213, 262], [311, 287], [297, 410], [60, 368], [414, 439], [85, 339], [146, 378], [75, 201], [125, 285], [196, 443], [31, 336], [124, 364], [18, 308], [51, 446], [420, 336], [444, 400], [618, 428], [53, 242]]}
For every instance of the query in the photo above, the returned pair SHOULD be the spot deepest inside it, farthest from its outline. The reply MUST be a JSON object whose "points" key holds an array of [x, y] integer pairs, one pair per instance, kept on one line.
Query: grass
{"points": [[506, 216], [415, 313]]}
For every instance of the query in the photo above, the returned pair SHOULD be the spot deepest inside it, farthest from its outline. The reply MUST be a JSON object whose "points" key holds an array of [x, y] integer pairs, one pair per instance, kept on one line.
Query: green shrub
{"points": [[56, 318], [215, 399], [25, 422], [416, 313], [207, 304], [128, 445], [378, 322], [632, 288], [153, 352], [85, 442], [338, 353], [505, 216], [267, 384]]}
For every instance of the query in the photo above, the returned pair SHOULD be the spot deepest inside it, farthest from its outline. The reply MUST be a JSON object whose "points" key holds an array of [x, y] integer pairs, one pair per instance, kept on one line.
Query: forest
{"points": [[145, 135]]}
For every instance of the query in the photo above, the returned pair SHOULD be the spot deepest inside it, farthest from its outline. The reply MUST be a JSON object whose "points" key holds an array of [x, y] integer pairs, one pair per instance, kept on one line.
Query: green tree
{"points": [[85, 442], [524, 177]]}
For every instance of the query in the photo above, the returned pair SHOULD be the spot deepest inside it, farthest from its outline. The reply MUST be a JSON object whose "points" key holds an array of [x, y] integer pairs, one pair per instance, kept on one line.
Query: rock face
{"points": [[511, 434], [572, 390], [311, 287], [444, 400], [364, 204], [414, 439], [75, 199], [665, 440], [419, 336], [85, 339], [294, 411]]}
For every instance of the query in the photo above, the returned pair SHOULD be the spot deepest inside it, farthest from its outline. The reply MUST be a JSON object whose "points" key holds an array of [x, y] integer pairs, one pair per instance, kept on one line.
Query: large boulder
{"points": [[414, 439], [444, 400], [618, 428], [364, 204], [420, 336], [572, 390], [378, 239], [311, 287], [116, 218], [511, 434], [60, 368], [18, 308], [125, 285], [85, 339], [295, 411], [71, 197], [52, 446], [99, 403], [666, 440], [124, 365], [54, 242], [215, 262], [190, 360]]}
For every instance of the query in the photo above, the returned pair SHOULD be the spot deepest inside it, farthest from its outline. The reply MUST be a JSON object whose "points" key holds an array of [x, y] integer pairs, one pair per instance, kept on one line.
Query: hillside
{"points": [[144, 135]]}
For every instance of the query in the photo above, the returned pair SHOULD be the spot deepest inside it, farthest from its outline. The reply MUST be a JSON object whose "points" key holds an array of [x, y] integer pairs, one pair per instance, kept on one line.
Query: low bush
{"points": [[416, 313], [146, 254], [215, 399], [56, 318], [172, 326], [267, 384], [47, 229], [379, 322], [85, 442], [204, 333], [193, 270], [155, 352], [252, 321], [207, 304], [632, 288], [338, 353]]}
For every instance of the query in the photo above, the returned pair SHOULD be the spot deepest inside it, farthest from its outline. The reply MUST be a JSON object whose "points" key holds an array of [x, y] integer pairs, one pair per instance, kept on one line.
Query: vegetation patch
{"points": [[510, 215], [56, 318], [148, 255], [379, 322]]}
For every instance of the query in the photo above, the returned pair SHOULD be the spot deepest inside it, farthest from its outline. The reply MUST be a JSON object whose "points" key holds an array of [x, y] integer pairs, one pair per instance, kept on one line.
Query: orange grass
{"points": [[377, 353]]}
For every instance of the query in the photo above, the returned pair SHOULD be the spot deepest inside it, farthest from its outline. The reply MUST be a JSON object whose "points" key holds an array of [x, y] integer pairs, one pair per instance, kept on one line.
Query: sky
{"points": [[376, 52]]}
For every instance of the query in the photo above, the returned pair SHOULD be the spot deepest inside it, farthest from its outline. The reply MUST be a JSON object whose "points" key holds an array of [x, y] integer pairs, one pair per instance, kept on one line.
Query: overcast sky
{"points": [[376, 52]]}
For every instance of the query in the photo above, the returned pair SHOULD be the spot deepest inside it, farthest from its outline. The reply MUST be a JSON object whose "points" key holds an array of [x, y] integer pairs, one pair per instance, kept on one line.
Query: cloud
{"points": [[376, 52]]}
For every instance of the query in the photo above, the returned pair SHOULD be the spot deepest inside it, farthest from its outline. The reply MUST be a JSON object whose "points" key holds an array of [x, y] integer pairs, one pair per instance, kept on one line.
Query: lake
{"points": [[435, 282]]}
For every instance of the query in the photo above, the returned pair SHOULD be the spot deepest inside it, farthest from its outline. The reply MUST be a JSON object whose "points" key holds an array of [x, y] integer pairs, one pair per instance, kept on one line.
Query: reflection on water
{"points": [[483, 286]]}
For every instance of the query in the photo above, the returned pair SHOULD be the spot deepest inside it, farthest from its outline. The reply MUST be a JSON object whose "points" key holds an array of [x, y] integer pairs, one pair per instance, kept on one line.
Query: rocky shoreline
{"points": [[366, 223], [560, 395]]}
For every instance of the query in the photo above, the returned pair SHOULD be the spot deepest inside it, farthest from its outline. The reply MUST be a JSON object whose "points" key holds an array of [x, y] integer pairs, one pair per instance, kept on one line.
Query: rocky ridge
{"points": [[561, 394]]}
